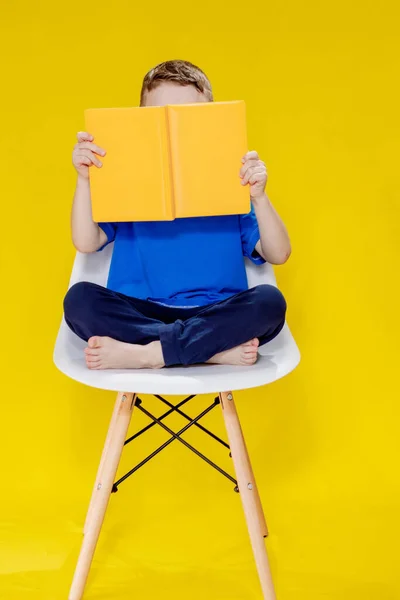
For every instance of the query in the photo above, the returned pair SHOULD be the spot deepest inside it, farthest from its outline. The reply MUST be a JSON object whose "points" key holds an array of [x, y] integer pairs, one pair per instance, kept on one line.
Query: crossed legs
{"points": [[125, 332]]}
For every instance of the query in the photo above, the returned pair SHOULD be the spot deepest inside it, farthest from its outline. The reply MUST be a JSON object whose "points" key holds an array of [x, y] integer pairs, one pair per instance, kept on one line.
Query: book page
{"points": [[208, 141], [134, 183]]}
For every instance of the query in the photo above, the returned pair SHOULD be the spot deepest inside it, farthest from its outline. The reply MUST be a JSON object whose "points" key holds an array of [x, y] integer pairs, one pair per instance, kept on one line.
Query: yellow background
{"points": [[320, 82]]}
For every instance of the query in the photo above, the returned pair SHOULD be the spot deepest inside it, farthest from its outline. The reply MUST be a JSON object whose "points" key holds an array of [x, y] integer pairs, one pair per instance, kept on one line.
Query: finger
{"points": [[84, 136], [250, 155], [247, 164], [87, 154], [93, 147], [251, 164], [256, 178], [86, 157], [252, 171], [83, 160]]}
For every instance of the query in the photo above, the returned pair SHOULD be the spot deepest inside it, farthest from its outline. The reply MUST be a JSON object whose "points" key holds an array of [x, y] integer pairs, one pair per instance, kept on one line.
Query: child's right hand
{"points": [[84, 154]]}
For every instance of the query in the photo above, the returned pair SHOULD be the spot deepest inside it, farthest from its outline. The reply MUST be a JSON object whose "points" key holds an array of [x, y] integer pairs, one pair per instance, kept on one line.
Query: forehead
{"points": [[168, 92]]}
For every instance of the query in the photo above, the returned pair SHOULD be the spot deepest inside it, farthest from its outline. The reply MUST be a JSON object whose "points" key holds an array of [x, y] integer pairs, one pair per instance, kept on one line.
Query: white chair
{"points": [[277, 359]]}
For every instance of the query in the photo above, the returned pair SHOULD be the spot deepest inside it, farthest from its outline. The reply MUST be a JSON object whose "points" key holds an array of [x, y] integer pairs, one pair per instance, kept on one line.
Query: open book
{"points": [[168, 162]]}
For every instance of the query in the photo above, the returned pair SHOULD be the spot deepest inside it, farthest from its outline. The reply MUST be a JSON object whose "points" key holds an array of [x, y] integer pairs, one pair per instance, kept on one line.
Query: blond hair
{"points": [[181, 72]]}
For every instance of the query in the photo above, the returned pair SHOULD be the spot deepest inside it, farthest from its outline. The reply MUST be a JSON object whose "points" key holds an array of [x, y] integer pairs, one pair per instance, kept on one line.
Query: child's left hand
{"points": [[255, 173]]}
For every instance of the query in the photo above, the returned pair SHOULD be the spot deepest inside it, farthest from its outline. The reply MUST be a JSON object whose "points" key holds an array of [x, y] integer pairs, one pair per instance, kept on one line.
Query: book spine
{"points": [[170, 163]]}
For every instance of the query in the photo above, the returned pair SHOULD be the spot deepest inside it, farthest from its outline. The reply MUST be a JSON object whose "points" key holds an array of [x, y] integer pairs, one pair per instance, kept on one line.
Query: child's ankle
{"points": [[154, 355]]}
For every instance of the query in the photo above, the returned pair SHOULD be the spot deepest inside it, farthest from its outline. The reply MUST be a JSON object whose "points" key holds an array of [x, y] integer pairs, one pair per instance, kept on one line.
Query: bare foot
{"points": [[246, 354], [107, 353]]}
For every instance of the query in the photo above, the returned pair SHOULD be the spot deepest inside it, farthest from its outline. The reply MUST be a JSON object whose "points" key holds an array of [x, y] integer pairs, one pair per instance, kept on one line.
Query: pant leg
{"points": [[255, 313], [90, 309]]}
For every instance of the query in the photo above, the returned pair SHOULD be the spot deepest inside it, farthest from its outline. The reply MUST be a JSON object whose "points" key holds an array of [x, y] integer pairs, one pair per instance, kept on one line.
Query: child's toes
{"points": [[251, 353], [246, 362], [96, 365], [250, 360], [92, 357], [94, 342], [92, 351], [250, 357], [93, 364], [252, 343]]}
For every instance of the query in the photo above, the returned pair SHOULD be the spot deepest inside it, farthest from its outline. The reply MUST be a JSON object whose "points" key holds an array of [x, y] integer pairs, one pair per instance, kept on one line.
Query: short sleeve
{"points": [[110, 230], [250, 235]]}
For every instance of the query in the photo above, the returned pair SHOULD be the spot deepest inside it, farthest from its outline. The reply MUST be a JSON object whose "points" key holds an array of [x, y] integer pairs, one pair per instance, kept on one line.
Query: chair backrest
{"points": [[95, 266]]}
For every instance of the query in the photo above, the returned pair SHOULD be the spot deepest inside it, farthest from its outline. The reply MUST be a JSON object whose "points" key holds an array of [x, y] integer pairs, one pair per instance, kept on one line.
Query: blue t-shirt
{"points": [[185, 262]]}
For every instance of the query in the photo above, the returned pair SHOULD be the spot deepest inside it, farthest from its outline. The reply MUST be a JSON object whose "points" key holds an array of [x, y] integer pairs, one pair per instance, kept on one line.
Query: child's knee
{"points": [[271, 302], [78, 300]]}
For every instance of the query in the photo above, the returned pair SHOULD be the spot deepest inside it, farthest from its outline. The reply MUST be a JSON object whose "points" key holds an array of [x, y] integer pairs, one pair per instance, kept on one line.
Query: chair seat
{"points": [[277, 358]]}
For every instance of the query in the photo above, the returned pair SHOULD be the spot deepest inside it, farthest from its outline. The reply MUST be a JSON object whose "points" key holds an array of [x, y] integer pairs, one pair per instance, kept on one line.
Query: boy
{"points": [[177, 290]]}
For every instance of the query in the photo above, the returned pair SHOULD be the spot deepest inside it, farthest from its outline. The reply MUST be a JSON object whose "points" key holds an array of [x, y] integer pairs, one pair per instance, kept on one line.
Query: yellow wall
{"points": [[322, 96]]}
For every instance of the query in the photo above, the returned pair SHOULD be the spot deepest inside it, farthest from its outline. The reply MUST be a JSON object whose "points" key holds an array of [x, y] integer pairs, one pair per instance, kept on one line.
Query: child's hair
{"points": [[181, 72]]}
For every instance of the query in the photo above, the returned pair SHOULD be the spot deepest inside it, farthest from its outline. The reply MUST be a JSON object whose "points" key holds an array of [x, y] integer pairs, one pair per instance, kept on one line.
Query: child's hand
{"points": [[84, 154], [255, 173]]}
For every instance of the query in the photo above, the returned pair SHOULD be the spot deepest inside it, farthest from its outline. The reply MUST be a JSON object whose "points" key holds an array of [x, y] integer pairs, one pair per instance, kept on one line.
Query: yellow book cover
{"points": [[168, 162]]}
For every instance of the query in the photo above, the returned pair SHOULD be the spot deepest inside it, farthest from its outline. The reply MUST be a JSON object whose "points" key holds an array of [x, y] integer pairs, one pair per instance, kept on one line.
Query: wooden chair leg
{"points": [[248, 493], [110, 431], [123, 413]]}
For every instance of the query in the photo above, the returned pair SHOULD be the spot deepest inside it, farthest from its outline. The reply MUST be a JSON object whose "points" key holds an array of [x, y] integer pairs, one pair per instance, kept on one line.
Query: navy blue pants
{"points": [[187, 335]]}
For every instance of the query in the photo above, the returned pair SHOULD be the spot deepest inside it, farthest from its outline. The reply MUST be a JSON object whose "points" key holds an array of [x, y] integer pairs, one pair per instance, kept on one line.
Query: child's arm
{"points": [[274, 243], [87, 236]]}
